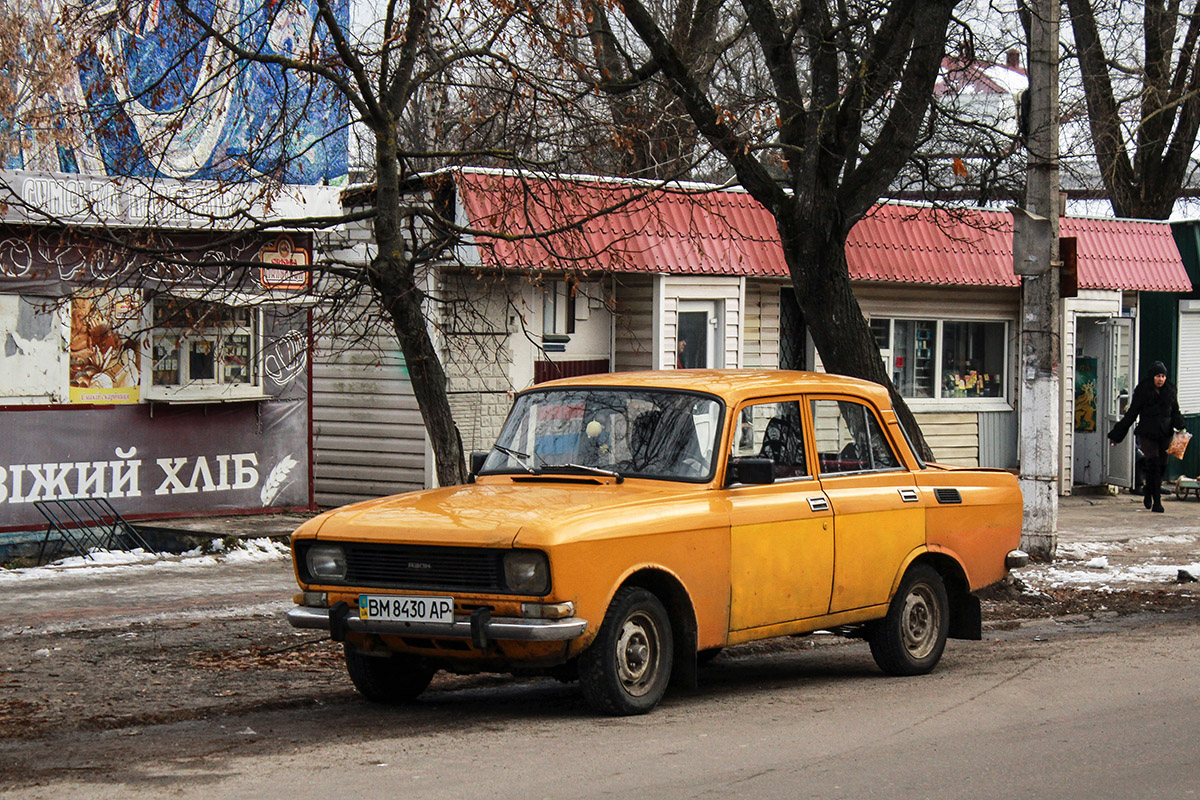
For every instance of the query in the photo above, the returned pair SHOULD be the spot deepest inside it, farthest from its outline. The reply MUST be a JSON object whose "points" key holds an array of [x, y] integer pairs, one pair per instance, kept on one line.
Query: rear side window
{"points": [[850, 439]]}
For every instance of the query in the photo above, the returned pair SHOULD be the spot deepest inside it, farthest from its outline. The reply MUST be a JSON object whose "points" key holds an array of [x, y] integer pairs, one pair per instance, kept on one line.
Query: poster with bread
{"points": [[105, 358]]}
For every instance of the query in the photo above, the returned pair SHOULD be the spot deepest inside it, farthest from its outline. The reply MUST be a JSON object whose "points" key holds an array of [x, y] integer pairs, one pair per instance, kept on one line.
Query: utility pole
{"points": [[1035, 258]]}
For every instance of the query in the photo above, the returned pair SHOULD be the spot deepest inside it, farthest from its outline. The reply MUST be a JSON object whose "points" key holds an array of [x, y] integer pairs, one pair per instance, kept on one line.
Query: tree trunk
{"points": [[391, 277], [404, 307], [816, 258]]}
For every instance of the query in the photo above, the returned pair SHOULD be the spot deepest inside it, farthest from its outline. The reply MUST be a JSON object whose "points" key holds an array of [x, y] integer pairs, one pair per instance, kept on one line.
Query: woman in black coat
{"points": [[1156, 407]]}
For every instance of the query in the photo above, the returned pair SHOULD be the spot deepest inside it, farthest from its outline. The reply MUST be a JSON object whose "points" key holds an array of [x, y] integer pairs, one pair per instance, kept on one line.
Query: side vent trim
{"points": [[947, 496]]}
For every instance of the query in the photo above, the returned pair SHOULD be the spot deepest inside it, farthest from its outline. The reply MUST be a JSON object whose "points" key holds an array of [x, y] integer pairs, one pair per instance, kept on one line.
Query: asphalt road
{"points": [[1095, 707]]}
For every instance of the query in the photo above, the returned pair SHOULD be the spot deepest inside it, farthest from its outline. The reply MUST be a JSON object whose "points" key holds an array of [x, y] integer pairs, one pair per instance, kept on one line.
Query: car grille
{"points": [[382, 566]]}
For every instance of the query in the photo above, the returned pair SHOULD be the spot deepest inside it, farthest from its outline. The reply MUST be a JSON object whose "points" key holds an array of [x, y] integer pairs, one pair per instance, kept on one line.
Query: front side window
{"points": [[944, 359], [196, 344], [774, 431], [850, 439], [632, 432]]}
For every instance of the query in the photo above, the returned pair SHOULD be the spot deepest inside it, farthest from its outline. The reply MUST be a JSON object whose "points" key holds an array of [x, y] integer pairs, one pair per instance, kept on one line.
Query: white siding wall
{"points": [[1188, 380], [953, 437], [368, 437], [761, 344], [633, 335]]}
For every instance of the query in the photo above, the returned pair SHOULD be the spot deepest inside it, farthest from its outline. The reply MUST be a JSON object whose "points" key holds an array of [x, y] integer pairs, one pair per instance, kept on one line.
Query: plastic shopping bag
{"points": [[1179, 443]]}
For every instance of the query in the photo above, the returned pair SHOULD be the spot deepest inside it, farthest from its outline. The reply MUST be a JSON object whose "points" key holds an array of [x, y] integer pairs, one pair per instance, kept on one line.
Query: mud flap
{"points": [[685, 672], [966, 618], [338, 613]]}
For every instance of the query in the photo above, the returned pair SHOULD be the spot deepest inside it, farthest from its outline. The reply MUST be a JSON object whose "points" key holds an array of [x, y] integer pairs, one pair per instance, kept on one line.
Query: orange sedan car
{"points": [[625, 527]]}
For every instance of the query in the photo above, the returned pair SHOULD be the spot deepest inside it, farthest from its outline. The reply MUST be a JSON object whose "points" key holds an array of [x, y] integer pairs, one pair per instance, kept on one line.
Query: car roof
{"points": [[734, 385]]}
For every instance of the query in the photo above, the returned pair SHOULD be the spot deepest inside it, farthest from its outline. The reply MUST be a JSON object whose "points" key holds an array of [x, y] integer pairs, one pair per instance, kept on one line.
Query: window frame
{"points": [[802, 420], [939, 401], [869, 409], [201, 390]]}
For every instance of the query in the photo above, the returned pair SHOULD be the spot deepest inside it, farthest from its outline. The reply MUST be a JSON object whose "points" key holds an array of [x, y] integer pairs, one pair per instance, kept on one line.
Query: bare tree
{"points": [[842, 96], [424, 84], [1141, 83]]}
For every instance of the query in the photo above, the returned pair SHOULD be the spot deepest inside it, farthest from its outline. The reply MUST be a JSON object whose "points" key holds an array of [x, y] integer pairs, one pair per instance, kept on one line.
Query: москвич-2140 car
{"points": [[625, 526]]}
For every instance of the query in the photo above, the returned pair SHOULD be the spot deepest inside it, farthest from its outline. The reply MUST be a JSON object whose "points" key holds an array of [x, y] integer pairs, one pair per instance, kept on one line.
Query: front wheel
{"points": [[911, 638], [388, 680], [626, 669]]}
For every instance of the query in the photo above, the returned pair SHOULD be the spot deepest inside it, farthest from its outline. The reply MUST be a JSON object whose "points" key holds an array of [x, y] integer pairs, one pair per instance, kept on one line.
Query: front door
{"points": [[1118, 379], [696, 337], [781, 534]]}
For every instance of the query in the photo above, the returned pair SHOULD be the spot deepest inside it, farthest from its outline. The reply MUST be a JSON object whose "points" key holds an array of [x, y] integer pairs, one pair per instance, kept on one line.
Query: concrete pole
{"points": [[1036, 257]]}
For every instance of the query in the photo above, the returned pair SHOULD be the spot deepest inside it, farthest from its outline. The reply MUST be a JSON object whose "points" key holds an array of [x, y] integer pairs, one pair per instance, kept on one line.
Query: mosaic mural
{"points": [[159, 99]]}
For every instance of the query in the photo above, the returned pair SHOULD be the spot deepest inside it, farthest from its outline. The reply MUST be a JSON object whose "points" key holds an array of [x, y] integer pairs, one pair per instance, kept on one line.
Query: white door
{"points": [[1119, 379], [697, 339]]}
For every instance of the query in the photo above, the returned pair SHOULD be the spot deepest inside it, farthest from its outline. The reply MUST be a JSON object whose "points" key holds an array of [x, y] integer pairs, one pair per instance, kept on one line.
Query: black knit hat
{"points": [[1158, 368]]}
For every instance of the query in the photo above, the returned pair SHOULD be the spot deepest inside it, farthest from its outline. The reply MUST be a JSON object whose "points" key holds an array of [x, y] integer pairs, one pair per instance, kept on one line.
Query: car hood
{"points": [[497, 514]]}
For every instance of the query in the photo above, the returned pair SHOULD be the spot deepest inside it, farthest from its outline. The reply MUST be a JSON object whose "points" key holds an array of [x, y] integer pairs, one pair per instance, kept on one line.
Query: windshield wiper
{"points": [[611, 473], [519, 457]]}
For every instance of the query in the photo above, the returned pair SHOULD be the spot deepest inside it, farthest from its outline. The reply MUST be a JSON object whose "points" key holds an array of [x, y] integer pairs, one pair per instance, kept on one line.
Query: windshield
{"points": [[636, 433]]}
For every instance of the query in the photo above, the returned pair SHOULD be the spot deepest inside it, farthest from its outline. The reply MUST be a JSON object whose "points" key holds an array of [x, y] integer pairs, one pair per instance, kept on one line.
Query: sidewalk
{"points": [[178, 535], [1114, 541]]}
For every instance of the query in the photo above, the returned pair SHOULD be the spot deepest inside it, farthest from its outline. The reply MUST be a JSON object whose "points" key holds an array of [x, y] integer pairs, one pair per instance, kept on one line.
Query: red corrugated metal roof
{"points": [[615, 226]]}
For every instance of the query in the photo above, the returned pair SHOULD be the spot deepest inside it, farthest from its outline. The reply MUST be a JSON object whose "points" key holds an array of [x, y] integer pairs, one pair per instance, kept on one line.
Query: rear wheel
{"points": [[628, 666], [389, 680], [911, 638]]}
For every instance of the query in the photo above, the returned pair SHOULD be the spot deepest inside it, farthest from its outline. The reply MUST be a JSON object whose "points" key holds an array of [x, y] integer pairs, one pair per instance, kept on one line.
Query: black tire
{"points": [[391, 681], [626, 669], [911, 638]]}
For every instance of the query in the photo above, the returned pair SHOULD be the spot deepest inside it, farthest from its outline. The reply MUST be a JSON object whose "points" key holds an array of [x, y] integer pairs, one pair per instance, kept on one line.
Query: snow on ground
{"points": [[1104, 566], [1100, 577], [109, 562]]}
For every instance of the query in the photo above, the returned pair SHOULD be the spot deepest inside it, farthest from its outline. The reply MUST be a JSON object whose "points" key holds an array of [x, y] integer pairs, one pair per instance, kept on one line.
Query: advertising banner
{"points": [[169, 460], [105, 354]]}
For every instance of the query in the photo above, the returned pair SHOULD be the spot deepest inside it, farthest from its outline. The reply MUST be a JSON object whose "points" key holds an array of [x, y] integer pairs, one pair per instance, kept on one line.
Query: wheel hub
{"points": [[919, 623], [637, 655]]}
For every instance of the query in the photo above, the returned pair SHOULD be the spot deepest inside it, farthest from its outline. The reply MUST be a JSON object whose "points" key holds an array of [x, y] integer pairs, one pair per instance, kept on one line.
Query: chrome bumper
{"points": [[1016, 559], [479, 628]]}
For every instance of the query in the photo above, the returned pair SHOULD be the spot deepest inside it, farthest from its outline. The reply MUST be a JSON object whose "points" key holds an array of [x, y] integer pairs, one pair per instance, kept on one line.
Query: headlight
{"points": [[326, 561], [527, 572]]}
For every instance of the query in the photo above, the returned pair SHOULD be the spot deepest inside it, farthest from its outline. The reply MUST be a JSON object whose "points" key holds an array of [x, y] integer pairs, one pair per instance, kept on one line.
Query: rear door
{"points": [[878, 514]]}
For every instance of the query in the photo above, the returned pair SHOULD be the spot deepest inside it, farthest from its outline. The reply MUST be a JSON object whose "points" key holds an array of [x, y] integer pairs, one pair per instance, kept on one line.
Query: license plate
{"points": [[395, 608]]}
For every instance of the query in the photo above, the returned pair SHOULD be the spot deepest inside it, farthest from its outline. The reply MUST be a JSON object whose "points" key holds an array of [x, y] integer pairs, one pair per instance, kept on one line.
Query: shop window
{"points": [[210, 348], [944, 359]]}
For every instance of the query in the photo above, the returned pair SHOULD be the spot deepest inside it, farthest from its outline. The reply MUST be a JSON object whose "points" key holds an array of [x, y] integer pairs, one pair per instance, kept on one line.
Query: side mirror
{"points": [[477, 459], [752, 471]]}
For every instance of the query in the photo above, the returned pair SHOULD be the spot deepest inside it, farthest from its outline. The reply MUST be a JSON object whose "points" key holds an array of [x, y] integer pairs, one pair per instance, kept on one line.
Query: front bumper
{"points": [[480, 628]]}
